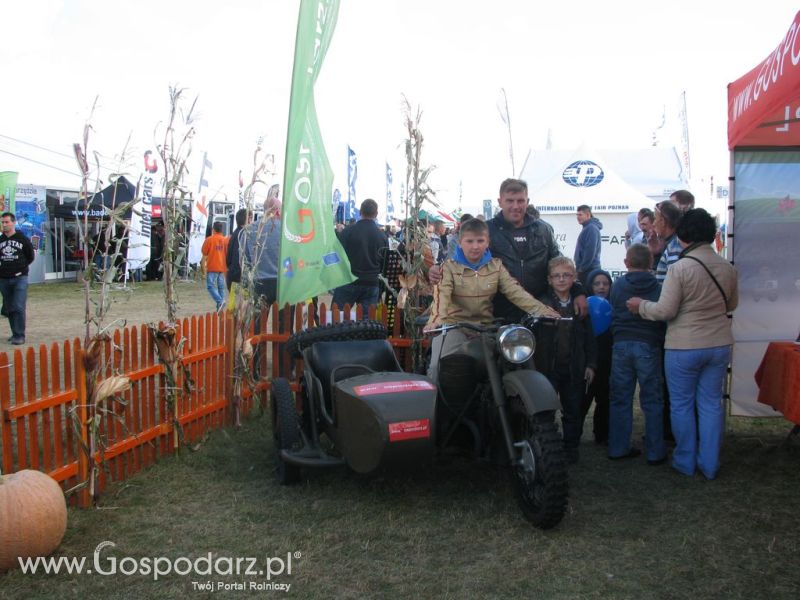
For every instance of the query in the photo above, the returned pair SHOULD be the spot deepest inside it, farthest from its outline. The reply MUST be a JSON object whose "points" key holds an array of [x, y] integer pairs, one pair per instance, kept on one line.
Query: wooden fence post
{"points": [[82, 402], [5, 404]]}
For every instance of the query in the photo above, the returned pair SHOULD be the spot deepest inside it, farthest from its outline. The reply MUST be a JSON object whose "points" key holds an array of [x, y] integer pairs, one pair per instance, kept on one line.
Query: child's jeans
{"points": [[570, 392], [632, 361]]}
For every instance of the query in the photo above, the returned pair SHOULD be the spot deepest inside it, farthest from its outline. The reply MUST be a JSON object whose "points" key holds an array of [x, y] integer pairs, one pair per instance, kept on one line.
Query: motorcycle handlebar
{"points": [[493, 327]]}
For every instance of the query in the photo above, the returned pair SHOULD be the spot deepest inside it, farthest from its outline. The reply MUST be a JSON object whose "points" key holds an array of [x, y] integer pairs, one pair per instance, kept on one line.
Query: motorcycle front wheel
{"points": [[540, 475]]}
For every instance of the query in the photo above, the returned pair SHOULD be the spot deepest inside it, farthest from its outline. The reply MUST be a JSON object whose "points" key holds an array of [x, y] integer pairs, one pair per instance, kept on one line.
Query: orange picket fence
{"points": [[43, 398]]}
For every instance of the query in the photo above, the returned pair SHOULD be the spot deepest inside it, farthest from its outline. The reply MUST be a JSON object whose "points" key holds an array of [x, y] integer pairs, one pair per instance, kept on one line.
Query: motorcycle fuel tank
{"points": [[385, 420]]}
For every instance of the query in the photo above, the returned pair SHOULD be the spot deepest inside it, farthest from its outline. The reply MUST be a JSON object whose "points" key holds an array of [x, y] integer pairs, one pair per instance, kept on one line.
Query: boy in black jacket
{"points": [[636, 355], [598, 283], [16, 253], [566, 351]]}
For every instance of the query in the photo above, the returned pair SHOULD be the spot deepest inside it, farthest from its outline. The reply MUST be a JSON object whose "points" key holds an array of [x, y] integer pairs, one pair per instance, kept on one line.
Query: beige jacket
{"points": [[466, 295], [691, 304]]}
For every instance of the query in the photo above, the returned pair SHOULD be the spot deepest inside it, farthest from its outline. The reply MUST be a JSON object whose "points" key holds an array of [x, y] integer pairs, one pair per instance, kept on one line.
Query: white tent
{"points": [[585, 178], [655, 171]]}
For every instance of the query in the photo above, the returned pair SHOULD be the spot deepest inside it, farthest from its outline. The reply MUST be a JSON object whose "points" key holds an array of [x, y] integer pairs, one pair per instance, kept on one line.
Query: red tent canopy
{"points": [[764, 105]]}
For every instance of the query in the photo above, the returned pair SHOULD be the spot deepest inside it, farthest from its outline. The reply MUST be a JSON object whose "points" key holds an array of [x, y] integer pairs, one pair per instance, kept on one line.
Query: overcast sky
{"points": [[594, 72]]}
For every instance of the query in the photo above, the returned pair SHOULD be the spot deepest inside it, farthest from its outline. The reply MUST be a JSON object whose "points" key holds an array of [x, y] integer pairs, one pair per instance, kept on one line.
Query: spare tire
{"points": [[346, 331]]}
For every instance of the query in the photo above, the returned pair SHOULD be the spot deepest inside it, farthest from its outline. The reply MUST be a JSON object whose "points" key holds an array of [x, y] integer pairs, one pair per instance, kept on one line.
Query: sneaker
{"points": [[18, 341], [632, 453], [658, 461]]}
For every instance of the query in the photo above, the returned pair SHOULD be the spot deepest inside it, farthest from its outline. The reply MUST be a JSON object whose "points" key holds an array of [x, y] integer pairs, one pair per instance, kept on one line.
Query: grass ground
{"points": [[452, 531], [55, 311]]}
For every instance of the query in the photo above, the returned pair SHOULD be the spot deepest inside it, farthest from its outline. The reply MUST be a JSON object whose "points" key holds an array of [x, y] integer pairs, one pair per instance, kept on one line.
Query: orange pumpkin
{"points": [[33, 516]]}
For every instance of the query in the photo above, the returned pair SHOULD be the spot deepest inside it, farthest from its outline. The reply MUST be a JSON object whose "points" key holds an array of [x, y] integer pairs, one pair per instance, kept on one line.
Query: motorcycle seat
{"points": [[325, 358]]}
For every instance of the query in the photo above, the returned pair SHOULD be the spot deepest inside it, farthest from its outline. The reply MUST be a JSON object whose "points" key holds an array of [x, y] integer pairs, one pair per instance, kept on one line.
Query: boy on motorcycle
{"points": [[469, 283]]}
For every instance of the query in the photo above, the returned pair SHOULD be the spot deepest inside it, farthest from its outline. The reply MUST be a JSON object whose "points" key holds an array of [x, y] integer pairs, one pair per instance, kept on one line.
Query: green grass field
{"points": [[454, 531]]}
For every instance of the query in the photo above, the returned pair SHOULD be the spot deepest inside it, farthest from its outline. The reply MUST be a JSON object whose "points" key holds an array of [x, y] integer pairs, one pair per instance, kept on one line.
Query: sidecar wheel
{"points": [[540, 481], [285, 429], [345, 331]]}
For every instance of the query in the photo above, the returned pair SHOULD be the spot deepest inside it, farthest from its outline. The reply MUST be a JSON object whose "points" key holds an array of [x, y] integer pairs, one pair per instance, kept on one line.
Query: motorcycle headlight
{"points": [[516, 343]]}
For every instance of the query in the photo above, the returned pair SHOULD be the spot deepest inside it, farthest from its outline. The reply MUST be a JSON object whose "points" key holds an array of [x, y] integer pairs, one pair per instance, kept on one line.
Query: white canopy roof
{"points": [[586, 178]]}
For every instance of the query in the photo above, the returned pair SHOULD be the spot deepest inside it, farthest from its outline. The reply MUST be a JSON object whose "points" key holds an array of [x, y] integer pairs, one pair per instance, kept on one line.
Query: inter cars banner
{"points": [[312, 259], [142, 217]]}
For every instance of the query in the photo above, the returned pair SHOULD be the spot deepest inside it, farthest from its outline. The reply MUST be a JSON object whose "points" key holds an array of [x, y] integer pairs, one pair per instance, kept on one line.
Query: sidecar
{"points": [[357, 408]]}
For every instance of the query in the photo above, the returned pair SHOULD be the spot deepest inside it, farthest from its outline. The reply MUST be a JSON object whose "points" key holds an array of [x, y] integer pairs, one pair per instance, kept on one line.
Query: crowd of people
{"points": [[669, 332]]}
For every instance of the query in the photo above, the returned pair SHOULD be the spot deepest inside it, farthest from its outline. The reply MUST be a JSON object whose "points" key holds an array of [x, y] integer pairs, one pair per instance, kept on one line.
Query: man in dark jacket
{"points": [[366, 247], [16, 253], [525, 245], [232, 258], [587, 248]]}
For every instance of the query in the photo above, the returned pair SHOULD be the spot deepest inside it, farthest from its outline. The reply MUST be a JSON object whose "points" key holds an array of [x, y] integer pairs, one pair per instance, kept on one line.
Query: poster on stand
{"points": [[766, 255], [31, 212]]}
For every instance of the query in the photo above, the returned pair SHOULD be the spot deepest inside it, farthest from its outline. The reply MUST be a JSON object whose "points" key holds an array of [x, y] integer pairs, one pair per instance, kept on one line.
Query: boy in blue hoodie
{"points": [[470, 281], [636, 355]]}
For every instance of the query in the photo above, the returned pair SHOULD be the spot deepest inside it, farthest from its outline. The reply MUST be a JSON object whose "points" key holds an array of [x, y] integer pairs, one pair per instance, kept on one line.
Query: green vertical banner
{"points": [[8, 190], [312, 259]]}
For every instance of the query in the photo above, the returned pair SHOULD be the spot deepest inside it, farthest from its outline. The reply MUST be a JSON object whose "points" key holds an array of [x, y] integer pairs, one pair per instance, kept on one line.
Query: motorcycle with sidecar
{"points": [[488, 400]]}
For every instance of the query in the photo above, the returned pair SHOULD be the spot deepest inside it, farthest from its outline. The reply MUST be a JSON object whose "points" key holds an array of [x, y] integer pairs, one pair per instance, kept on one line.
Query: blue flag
{"points": [[352, 174]]}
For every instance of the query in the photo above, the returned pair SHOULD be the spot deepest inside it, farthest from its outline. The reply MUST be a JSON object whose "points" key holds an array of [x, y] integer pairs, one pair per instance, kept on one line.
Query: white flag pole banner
{"points": [[199, 215], [685, 162], [389, 203], [142, 218]]}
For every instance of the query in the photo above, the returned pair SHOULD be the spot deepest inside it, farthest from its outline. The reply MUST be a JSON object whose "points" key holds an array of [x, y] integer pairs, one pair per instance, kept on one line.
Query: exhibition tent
{"points": [[764, 139], [100, 205], [585, 178], [655, 171]]}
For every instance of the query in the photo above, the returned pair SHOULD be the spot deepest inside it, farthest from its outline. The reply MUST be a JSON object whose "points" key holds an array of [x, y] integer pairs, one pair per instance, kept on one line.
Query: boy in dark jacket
{"points": [[566, 352], [637, 355], [599, 284]]}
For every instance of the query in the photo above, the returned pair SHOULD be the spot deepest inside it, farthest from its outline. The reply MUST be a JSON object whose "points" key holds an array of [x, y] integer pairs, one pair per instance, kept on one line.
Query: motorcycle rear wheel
{"points": [[285, 429], [540, 482]]}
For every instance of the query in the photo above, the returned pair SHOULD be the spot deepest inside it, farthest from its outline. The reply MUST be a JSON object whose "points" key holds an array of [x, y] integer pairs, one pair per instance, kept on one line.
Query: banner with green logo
{"points": [[8, 190], [312, 259]]}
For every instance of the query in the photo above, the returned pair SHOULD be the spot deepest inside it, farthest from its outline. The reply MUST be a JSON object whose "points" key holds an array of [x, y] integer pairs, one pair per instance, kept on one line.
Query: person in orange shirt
{"points": [[215, 247]]}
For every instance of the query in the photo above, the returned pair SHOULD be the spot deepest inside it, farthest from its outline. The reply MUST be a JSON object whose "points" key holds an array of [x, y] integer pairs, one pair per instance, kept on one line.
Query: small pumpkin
{"points": [[33, 516]]}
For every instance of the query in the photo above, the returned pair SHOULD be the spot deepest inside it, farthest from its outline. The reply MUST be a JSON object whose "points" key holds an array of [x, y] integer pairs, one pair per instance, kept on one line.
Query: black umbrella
{"points": [[100, 204]]}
